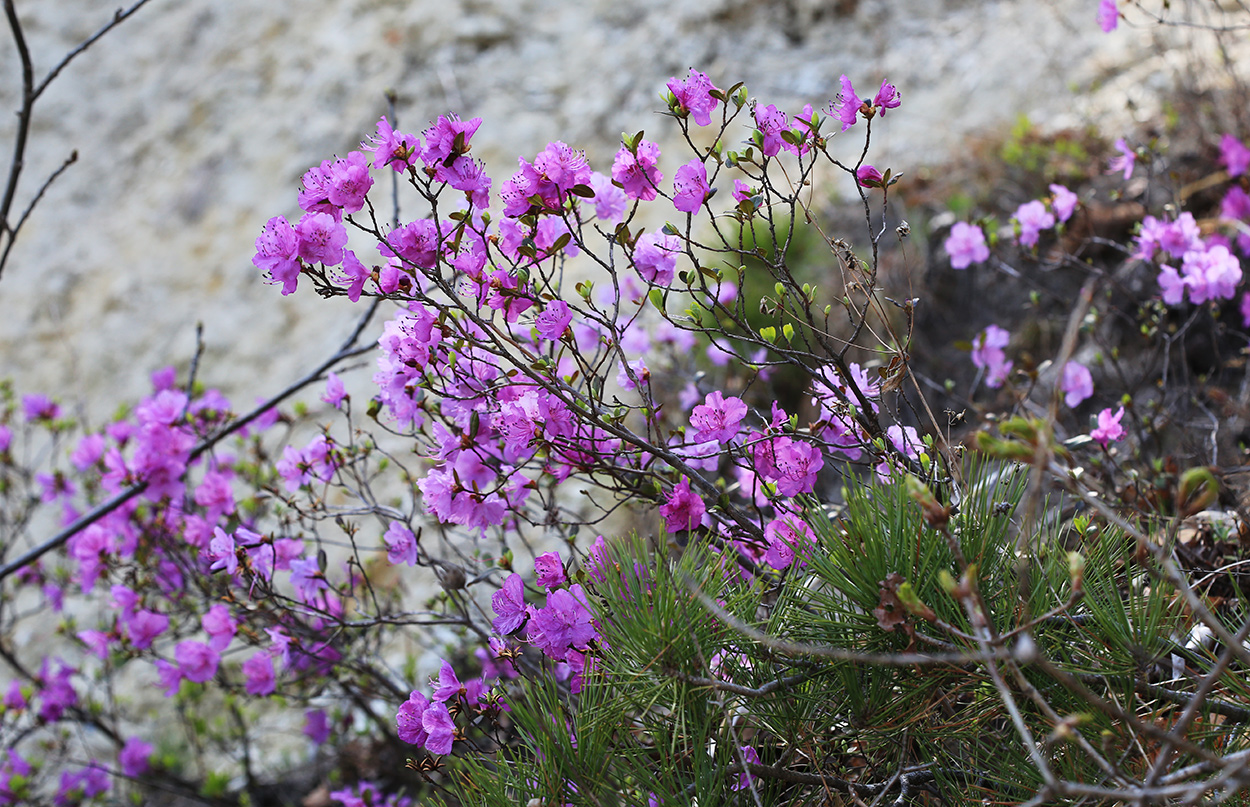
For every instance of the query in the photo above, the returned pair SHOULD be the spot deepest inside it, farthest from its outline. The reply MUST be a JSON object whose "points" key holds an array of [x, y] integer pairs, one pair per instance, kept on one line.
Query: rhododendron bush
{"points": [[834, 601]]}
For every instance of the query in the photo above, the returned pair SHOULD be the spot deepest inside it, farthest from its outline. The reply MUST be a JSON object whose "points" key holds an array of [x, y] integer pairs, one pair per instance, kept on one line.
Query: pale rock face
{"points": [[195, 120]]}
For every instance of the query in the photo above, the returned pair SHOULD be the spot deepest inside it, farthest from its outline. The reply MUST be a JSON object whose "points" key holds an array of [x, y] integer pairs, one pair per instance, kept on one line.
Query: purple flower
{"points": [[966, 245], [1108, 17], [749, 757], [848, 104], [553, 320], [610, 201], [261, 679], [1125, 161], [869, 177], [1245, 310], [349, 182], [1077, 383], [449, 686], [565, 622], [988, 355], [508, 603], [887, 97], [220, 626], [440, 728], [655, 257], [690, 186], [40, 408], [134, 756], [321, 238], [1109, 428], [401, 544], [771, 122], [1211, 274], [717, 418], [636, 171], [633, 375], [335, 393], [1033, 218], [742, 191], [221, 551], [694, 95], [408, 721], [550, 570], [316, 726], [1234, 155], [1063, 203], [277, 253], [144, 627], [307, 578], [684, 510], [441, 140], [197, 661], [392, 148]]}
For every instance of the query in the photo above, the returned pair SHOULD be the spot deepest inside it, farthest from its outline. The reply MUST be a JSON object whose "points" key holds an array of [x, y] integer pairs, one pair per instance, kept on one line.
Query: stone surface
{"points": [[195, 120]]}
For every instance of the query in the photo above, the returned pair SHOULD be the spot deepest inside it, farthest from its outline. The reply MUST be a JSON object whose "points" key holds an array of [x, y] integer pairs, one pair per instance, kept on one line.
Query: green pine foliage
{"points": [[884, 664]]}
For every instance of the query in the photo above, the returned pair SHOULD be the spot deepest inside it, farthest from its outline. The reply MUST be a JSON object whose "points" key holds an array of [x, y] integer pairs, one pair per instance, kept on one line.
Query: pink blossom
{"points": [[690, 186], [717, 418], [966, 245], [565, 622], [683, 510], [848, 104], [655, 257], [1211, 274], [636, 171], [220, 626], [221, 551], [1033, 217], [197, 662], [988, 355], [610, 201], [40, 409], [335, 393], [392, 148], [401, 544], [1234, 155], [144, 627], [869, 177], [259, 672], [1077, 383], [749, 757], [693, 95], [1109, 429], [134, 756], [1108, 17], [508, 603], [553, 320], [316, 726], [349, 182], [1245, 310], [1125, 161], [742, 191], [550, 570], [1063, 203], [89, 451], [887, 97], [321, 239], [634, 375], [771, 122], [439, 727], [441, 139], [409, 720]]}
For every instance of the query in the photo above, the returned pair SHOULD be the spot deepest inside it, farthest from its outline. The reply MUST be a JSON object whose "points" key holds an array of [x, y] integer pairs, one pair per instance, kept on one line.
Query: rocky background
{"points": [[195, 119]]}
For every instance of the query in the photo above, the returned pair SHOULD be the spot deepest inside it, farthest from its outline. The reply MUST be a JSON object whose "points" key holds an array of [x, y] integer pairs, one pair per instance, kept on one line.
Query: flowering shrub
{"points": [[537, 378]]}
